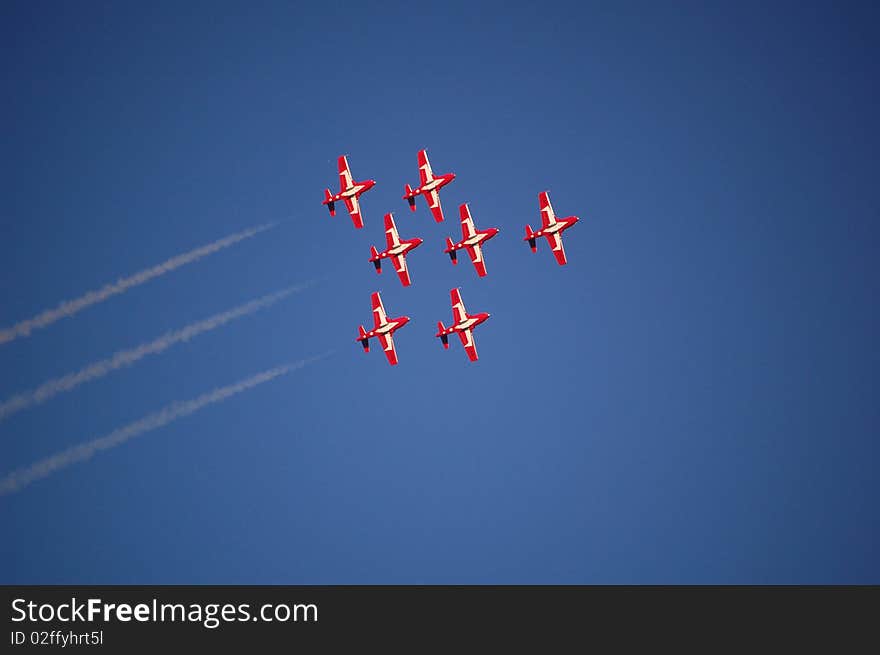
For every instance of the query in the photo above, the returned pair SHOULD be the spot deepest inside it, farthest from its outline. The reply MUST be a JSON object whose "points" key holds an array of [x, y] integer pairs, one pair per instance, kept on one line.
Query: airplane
{"points": [[551, 227], [430, 186], [396, 249], [383, 329], [464, 325], [472, 239], [349, 191]]}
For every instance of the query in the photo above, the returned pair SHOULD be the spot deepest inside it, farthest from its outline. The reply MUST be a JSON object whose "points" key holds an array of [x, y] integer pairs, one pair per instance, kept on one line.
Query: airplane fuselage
{"points": [[355, 190], [560, 225], [436, 183], [397, 250], [385, 328], [388, 326], [474, 240], [401, 249], [469, 323]]}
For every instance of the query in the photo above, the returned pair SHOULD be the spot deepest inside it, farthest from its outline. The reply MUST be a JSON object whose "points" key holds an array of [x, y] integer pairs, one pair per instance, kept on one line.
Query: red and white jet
{"points": [[396, 250], [464, 325], [383, 328], [430, 187], [349, 191], [472, 239], [551, 227]]}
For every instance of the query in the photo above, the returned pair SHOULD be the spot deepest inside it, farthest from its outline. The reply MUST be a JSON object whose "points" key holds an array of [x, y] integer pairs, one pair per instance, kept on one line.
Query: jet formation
{"points": [[396, 250]]}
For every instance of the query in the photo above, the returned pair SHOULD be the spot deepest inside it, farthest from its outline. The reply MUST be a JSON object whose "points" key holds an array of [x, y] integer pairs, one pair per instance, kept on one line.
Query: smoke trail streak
{"points": [[124, 358], [17, 480], [71, 307]]}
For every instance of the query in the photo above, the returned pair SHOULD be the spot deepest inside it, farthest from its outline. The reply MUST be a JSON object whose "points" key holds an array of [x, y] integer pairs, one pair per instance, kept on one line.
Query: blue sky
{"points": [[691, 400]]}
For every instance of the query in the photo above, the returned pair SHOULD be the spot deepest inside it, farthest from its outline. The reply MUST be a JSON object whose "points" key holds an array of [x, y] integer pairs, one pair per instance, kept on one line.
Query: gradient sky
{"points": [[693, 399]]}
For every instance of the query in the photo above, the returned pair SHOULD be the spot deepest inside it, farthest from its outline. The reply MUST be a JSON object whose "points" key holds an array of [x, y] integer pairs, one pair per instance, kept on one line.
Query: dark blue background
{"points": [[693, 399]]}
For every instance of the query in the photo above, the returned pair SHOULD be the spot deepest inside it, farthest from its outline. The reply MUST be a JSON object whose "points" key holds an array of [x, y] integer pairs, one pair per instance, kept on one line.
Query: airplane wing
{"points": [[425, 172], [467, 340], [467, 223], [402, 270], [458, 310], [344, 174], [548, 217], [434, 203], [388, 346], [392, 238], [379, 316], [555, 241], [354, 208], [476, 253]]}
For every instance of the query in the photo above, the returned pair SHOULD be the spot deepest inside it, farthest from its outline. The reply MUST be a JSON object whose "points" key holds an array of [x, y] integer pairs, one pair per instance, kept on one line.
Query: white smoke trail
{"points": [[71, 307], [124, 358], [17, 480]]}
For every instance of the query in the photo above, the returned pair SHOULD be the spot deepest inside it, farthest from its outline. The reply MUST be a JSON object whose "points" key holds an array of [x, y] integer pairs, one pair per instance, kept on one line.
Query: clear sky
{"points": [[693, 399]]}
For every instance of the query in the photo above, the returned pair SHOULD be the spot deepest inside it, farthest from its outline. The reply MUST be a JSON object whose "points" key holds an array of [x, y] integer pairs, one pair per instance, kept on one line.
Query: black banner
{"points": [[122, 618]]}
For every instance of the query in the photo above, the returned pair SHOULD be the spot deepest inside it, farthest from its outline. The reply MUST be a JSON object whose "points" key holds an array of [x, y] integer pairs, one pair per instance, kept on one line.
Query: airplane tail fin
{"points": [[328, 200], [441, 332], [449, 249], [374, 257], [362, 337], [530, 237], [410, 198]]}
